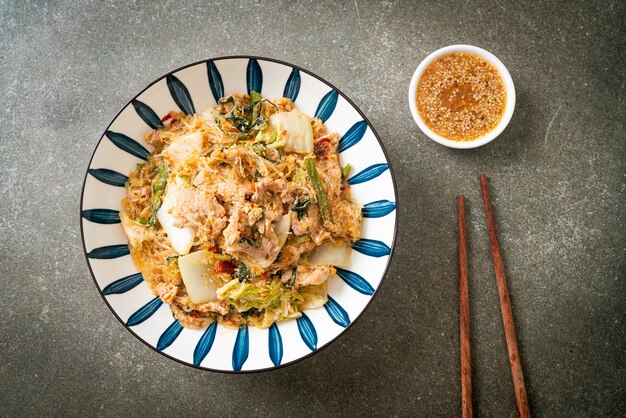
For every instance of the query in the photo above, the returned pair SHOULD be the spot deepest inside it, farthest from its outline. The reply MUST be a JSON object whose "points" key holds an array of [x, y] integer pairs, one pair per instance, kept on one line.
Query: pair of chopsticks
{"points": [[505, 306]]}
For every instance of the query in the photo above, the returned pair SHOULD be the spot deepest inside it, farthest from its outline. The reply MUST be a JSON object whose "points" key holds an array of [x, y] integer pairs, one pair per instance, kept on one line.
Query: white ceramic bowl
{"points": [[508, 84], [191, 89]]}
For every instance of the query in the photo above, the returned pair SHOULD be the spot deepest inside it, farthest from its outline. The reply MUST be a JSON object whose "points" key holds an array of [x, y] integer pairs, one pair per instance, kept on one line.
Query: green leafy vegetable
{"points": [[302, 239], [301, 205], [158, 188], [299, 176], [292, 280], [225, 100], [241, 273], [240, 122], [259, 148], [248, 121], [255, 97], [245, 296], [251, 237], [320, 190], [345, 172], [262, 150]]}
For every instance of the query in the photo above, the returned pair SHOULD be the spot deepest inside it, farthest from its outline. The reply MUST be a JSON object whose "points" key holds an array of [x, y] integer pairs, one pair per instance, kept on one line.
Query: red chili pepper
{"points": [[245, 234], [213, 249], [322, 147], [166, 118], [224, 267], [195, 314], [265, 275]]}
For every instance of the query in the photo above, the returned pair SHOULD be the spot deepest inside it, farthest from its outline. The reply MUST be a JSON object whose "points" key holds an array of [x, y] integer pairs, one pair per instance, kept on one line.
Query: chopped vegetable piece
{"points": [[301, 205], [299, 176], [181, 238], [322, 147], [320, 190], [225, 100], [246, 296], [251, 237], [302, 238], [314, 296], [331, 254], [292, 279], [255, 97], [345, 172], [171, 258], [184, 147], [241, 273], [196, 274], [158, 188], [281, 229], [296, 130], [248, 121]]}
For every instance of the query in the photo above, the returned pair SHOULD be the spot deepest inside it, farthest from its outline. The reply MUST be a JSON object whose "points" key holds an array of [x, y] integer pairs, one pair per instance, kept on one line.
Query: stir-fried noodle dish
{"points": [[241, 212]]}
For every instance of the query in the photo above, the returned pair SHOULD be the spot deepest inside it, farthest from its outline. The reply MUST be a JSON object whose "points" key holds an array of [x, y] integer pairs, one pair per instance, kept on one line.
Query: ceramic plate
{"points": [[192, 89]]}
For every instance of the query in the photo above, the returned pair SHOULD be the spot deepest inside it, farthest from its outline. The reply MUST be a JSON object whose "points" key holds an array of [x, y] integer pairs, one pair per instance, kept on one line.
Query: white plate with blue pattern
{"points": [[192, 89]]}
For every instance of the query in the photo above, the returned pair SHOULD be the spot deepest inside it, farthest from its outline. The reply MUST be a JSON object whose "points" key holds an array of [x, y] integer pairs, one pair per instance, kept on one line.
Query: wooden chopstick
{"points": [[505, 306], [466, 364]]}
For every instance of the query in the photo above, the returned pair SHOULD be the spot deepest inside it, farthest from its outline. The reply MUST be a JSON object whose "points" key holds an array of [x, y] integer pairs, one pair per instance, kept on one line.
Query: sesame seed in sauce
{"points": [[461, 96]]}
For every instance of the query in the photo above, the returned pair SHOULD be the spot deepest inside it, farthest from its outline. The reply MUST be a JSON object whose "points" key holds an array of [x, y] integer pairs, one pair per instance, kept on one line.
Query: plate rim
{"points": [[393, 239]]}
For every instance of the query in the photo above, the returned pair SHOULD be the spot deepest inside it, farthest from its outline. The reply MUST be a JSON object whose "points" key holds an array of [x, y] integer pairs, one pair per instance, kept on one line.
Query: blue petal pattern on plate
{"points": [[146, 113], [337, 313], [204, 345], [109, 252], [355, 281], [307, 331], [128, 144], [215, 81], [275, 344], [371, 247], [180, 94], [145, 312], [102, 216], [378, 209], [109, 176], [369, 173], [353, 136], [292, 87], [123, 285], [254, 76], [169, 336], [240, 351], [327, 105]]}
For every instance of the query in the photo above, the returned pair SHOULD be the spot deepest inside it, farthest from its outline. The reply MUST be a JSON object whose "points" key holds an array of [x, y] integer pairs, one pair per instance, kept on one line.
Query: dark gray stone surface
{"points": [[557, 179]]}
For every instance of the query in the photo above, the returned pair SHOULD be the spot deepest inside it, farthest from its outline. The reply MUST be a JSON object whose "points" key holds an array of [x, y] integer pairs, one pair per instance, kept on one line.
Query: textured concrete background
{"points": [[557, 179]]}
